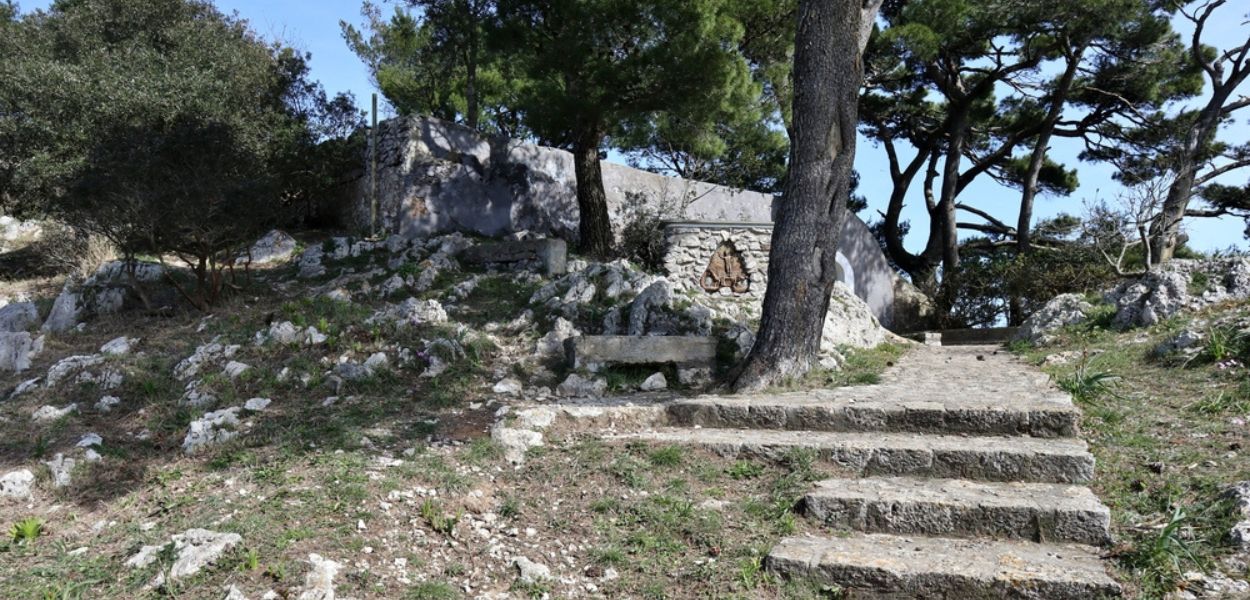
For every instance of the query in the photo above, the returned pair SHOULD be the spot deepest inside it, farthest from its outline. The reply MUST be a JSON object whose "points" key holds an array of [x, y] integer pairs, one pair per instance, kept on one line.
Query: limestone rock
{"points": [[531, 572], [1187, 342], [62, 469], [310, 262], [286, 333], [1240, 494], [234, 369], [213, 428], [1062, 310], [850, 322], [204, 355], [17, 484], [65, 311], [257, 404], [17, 350], [552, 344], [576, 386], [415, 312], [657, 295], [194, 549], [275, 246], [52, 413], [107, 403], [515, 441], [118, 347], [655, 383], [68, 366], [1180, 285], [507, 386], [19, 316], [319, 583]]}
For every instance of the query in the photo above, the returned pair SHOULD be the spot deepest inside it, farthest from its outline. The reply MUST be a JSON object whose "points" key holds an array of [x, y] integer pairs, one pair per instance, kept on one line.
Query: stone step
{"points": [[879, 566], [1040, 512], [1057, 460], [868, 409]]}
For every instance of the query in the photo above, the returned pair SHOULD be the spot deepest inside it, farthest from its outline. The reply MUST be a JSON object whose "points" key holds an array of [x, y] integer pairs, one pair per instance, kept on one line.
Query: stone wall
{"points": [[436, 177], [694, 246]]}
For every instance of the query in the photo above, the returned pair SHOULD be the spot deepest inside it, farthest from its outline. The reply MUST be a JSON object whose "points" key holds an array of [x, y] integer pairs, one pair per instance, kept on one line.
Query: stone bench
{"points": [[694, 356], [547, 255]]}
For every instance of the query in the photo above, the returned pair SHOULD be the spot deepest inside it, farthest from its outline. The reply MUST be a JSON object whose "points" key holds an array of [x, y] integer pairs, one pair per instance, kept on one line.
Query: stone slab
{"points": [[685, 351], [893, 567], [875, 408], [549, 256], [989, 458], [1042, 512]]}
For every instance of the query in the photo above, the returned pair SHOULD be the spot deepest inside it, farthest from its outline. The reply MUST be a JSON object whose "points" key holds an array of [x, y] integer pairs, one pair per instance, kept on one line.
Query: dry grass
{"points": [[1169, 439]]}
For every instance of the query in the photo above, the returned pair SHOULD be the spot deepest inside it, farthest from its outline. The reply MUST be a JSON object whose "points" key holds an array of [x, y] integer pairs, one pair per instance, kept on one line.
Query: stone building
{"points": [[436, 177]]}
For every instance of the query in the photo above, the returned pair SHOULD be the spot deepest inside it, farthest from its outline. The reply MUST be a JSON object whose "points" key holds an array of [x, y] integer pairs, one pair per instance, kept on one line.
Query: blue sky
{"points": [[313, 25]]}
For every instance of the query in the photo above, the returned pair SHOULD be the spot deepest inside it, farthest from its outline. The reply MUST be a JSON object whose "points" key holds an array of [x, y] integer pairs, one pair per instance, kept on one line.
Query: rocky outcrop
{"points": [[275, 246], [1179, 285], [1062, 310], [110, 290]]}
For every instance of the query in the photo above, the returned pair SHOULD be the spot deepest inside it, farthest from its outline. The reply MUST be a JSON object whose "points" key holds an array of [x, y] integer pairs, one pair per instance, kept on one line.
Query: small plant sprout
{"points": [[26, 531]]}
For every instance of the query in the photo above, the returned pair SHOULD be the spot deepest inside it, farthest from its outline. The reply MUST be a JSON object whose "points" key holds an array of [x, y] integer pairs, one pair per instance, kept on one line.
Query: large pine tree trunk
{"points": [[595, 230], [1032, 177], [802, 264], [950, 189], [1166, 228]]}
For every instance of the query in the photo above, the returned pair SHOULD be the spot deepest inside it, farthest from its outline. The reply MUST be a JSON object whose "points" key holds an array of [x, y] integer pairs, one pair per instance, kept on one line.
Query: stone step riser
{"points": [[887, 567], [965, 463], [965, 521], [1059, 421]]}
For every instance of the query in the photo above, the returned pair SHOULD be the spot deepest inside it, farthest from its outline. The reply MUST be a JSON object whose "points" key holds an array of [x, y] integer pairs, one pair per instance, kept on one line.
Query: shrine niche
{"points": [[726, 270]]}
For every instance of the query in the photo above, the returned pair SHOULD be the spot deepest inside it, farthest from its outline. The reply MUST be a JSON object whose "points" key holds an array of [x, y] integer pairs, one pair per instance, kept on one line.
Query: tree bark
{"points": [[946, 202], [802, 263], [1024, 223], [594, 228], [1165, 230]]}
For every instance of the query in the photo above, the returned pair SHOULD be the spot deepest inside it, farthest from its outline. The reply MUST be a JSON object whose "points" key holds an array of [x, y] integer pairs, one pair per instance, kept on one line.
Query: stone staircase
{"points": [[960, 477]]}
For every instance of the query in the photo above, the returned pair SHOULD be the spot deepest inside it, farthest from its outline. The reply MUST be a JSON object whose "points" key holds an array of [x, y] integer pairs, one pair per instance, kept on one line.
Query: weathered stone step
{"points": [[1041, 512], [878, 566], [868, 409], [1055, 460]]}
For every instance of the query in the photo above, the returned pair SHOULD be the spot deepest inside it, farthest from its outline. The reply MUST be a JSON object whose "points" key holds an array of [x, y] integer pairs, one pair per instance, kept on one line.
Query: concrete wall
{"points": [[436, 177]]}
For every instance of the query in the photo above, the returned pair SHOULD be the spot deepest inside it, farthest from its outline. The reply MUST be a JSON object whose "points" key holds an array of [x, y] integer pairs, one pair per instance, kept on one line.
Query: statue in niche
{"points": [[726, 270]]}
